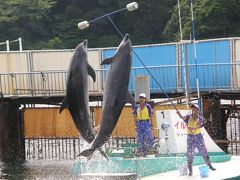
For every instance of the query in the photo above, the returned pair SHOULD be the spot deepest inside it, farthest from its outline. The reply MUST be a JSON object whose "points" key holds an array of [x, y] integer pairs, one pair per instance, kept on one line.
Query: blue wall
{"points": [[210, 76], [153, 56]]}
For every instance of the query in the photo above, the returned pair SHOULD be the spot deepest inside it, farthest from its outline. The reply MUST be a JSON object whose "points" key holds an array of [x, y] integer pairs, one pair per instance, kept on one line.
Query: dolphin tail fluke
{"points": [[64, 105], [107, 61], [87, 153], [103, 153], [91, 72]]}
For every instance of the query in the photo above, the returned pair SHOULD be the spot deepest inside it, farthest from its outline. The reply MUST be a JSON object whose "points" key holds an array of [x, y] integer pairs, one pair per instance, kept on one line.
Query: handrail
{"points": [[213, 76], [133, 68]]}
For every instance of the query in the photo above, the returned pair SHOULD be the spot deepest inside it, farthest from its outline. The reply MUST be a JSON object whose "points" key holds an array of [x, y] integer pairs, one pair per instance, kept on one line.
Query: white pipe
{"points": [[20, 43], [7, 43], [180, 21]]}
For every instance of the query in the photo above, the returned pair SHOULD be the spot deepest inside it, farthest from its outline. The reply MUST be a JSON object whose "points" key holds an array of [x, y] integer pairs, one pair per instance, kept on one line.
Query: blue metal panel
{"points": [[150, 55], [213, 76], [153, 56]]}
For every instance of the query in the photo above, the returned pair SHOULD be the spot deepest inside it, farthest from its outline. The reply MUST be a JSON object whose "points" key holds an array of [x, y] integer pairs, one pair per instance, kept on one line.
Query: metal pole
{"points": [[7, 44], [195, 56], [182, 56], [108, 14], [180, 21], [20, 43]]}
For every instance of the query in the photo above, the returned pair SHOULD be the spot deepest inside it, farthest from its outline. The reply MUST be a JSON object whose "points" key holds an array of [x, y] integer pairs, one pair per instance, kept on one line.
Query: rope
{"points": [[119, 32]]}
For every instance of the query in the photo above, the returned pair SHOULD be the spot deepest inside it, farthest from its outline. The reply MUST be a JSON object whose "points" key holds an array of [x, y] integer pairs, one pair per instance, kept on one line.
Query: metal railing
{"points": [[53, 148], [218, 76]]}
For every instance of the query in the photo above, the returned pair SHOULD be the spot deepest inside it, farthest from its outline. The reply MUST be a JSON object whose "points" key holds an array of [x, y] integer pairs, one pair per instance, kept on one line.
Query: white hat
{"points": [[142, 95]]}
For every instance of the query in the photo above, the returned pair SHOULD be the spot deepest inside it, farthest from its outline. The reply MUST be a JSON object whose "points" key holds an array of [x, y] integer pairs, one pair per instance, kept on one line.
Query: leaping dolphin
{"points": [[116, 93], [77, 98]]}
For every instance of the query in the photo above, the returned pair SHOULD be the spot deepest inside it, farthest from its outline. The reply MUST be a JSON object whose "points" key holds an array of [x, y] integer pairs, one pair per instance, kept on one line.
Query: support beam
{"points": [[11, 133]]}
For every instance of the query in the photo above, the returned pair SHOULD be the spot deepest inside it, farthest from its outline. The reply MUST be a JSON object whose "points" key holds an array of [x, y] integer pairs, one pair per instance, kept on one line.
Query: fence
{"points": [[218, 76], [68, 148], [64, 148]]}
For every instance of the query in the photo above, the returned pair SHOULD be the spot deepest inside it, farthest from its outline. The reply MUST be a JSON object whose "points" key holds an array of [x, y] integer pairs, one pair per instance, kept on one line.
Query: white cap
{"points": [[142, 95]]}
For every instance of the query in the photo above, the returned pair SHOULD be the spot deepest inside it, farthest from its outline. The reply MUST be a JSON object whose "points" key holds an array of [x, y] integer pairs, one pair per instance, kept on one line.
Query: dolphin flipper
{"points": [[130, 99], [107, 61], [91, 72], [64, 104]]}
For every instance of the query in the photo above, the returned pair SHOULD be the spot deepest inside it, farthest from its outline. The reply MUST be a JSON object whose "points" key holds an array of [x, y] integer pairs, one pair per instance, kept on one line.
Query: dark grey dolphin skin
{"points": [[77, 98], [116, 94]]}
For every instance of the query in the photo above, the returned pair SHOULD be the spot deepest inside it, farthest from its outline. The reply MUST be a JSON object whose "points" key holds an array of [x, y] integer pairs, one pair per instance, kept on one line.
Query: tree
{"points": [[26, 19], [45, 24], [213, 19]]}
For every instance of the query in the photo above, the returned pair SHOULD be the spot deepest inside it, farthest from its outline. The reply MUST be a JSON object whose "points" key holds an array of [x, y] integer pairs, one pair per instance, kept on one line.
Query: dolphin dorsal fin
{"points": [[107, 61], [64, 104], [130, 99], [91, 72]]}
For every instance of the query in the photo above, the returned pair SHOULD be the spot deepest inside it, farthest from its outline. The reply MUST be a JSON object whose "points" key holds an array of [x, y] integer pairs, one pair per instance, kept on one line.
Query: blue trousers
{"points": [[196, 141], [144, 135]]}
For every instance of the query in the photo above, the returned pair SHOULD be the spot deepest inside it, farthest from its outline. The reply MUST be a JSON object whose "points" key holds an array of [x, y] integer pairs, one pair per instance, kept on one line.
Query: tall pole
{"points": [[7, 44], [20, 43], [195, 56], [182, 56], [180, 20]]}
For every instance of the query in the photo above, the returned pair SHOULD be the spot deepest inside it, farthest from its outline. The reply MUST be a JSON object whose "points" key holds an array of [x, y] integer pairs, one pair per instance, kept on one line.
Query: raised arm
{"points": [[184, 118]]}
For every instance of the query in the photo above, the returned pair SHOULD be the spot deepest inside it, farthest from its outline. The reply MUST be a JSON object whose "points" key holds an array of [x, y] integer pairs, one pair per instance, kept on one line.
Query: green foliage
{"points": [[48, 24], [213, 19], [27, 19]]}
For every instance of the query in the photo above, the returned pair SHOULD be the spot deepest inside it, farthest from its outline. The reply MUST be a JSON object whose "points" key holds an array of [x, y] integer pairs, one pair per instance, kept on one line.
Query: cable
{"points": [[119, 32]]}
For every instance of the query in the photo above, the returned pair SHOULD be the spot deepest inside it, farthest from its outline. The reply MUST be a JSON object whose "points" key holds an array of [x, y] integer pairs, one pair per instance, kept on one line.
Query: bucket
{"points": [[204, 171], [183, 170]]}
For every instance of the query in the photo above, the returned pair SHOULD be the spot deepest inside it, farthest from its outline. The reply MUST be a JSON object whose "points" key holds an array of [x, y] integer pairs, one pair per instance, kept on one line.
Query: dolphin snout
{"points": [[126, 37]]}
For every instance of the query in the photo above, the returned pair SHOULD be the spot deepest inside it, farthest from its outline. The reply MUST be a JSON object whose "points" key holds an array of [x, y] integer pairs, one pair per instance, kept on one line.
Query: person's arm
{"points": [[181, 116], [135, 114], [200, 121], [135, 118], [150, 113], [184, 118]]}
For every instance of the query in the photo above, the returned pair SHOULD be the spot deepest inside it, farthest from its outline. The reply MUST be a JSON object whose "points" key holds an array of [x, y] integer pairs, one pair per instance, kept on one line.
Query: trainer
{"points": [[195, 139], [142, 114]]}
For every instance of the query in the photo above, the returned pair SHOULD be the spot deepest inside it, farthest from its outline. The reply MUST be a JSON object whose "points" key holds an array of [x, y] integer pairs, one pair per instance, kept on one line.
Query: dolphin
{"points": [[77, 97], [116, 94]]}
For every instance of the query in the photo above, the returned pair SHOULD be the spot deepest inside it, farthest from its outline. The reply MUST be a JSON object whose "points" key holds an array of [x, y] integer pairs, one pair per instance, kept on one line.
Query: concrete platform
{"points": [[225, 170], [143, 166], [108, 176]]}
